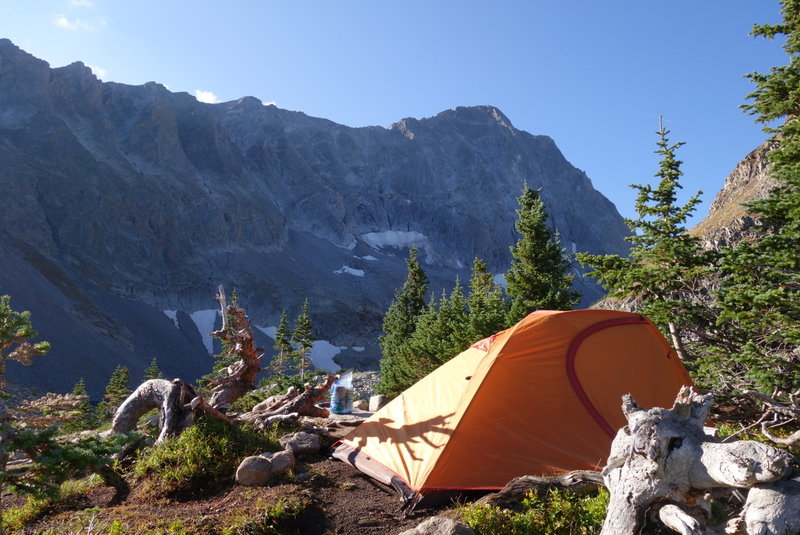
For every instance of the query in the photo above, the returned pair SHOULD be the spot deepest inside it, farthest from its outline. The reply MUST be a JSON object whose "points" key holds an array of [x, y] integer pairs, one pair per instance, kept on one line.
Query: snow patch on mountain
{"points": [[322, 354], [399, 239], [350, 271], [204, 321], [173, 315], [269, 331]]}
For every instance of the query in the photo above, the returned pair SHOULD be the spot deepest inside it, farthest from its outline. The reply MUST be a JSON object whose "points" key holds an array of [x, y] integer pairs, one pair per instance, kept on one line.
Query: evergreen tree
{"points": [[666, 266], [399, 324], [152, 371], [117, 390], [16, 331], [84, 417], [442, 332], [759, 297], [447, 335], [303, 338], [283, 345], [539, 276], [488, 309]]}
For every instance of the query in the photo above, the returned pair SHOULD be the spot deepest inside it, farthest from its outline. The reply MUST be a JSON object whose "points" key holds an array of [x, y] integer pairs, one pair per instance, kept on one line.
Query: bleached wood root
{"points": [[662, 465], [170, 397], [773, 509]]}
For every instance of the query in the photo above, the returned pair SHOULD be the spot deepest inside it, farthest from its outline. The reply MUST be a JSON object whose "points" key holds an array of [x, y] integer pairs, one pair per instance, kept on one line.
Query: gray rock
{"points": [[361, 405], [254, 471], [377, 402], [300, 443], [440, 525], [282, 461]]}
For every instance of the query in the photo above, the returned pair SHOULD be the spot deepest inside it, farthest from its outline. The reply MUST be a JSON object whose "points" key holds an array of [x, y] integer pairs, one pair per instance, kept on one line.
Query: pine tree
{"points": [[759, 297], [16, 331], [666, 266], [488, 309], [152, 371], [539, 277], [399, 324], [303, 338], [283, 345], [442, 332], [117, 390], [84, 417]]}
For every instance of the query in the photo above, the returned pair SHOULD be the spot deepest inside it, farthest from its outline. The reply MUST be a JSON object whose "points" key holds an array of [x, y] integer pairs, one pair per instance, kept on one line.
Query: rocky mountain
{"points": [[727, 220], [125, 206]]}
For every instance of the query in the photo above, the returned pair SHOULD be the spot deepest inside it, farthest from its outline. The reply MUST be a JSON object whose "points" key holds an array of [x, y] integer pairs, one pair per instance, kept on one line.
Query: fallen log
{"points": [[302, 403], [511, 496]]}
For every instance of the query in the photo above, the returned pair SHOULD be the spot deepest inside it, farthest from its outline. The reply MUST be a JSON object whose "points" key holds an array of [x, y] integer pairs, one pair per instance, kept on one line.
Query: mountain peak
{"points": [[460, 118], [485, 114]]}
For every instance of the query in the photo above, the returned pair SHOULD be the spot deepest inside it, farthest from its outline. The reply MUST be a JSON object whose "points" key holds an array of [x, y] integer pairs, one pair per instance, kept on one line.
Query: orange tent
{"points": [[540, 398]]}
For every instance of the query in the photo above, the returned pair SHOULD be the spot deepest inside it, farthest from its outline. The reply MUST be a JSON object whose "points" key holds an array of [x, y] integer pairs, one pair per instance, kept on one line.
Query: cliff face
{"points": [[727, 219], [125, 207]]}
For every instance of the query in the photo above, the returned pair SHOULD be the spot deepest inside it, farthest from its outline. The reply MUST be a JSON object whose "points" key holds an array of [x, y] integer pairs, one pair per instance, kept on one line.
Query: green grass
{"points": [[555, 513], [268, 519], [70, 493], [202, 459]]}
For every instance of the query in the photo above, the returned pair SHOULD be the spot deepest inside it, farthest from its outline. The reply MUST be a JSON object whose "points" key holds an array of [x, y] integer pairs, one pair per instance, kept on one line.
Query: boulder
{"points": [[361, 405], [254, 471], [440, 525], [377, 402], [300, 443], [282, 461]]}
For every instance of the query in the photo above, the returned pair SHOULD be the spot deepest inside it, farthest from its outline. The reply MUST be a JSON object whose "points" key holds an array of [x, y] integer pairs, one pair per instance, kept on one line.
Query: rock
{"points": [[254, 471], [727, 221], [361, 405], [377, 401], [300, 443], [282, 461], [440, 525]]}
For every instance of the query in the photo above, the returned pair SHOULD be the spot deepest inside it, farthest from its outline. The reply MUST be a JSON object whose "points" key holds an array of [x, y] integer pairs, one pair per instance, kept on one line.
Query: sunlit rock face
{"points": [[126, 206], [728, 220]]}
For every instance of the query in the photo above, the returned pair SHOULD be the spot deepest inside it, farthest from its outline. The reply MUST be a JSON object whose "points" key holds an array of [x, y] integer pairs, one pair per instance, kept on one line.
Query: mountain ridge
{"points": [[128, 205]]}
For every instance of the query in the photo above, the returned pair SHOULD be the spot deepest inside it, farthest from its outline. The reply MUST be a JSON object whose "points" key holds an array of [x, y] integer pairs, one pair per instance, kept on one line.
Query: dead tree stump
{"points": [[236, 336], [662, 465], [172, 398]]}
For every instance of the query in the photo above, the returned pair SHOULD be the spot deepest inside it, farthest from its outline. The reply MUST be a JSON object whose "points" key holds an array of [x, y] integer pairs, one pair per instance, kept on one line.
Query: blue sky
{"points": [[592, 75]]}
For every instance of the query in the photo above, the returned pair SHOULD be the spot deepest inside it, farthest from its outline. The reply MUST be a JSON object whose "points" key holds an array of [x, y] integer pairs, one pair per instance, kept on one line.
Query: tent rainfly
{"points": [[540, 398]]}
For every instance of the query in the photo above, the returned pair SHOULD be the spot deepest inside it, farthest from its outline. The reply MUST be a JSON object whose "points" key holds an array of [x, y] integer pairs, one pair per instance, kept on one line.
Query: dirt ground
{"points": [[339, 500]]}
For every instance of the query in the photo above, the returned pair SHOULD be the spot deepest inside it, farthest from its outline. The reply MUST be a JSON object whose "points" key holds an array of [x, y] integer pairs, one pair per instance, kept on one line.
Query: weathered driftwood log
{"points": [[236, 336], [172, 398], [293, 402], [578, 482], [663, 463]]}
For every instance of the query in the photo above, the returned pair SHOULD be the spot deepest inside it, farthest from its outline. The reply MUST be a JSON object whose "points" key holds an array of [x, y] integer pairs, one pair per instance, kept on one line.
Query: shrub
{"points": [[201, 459], [555, 513], [269, 519]]}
